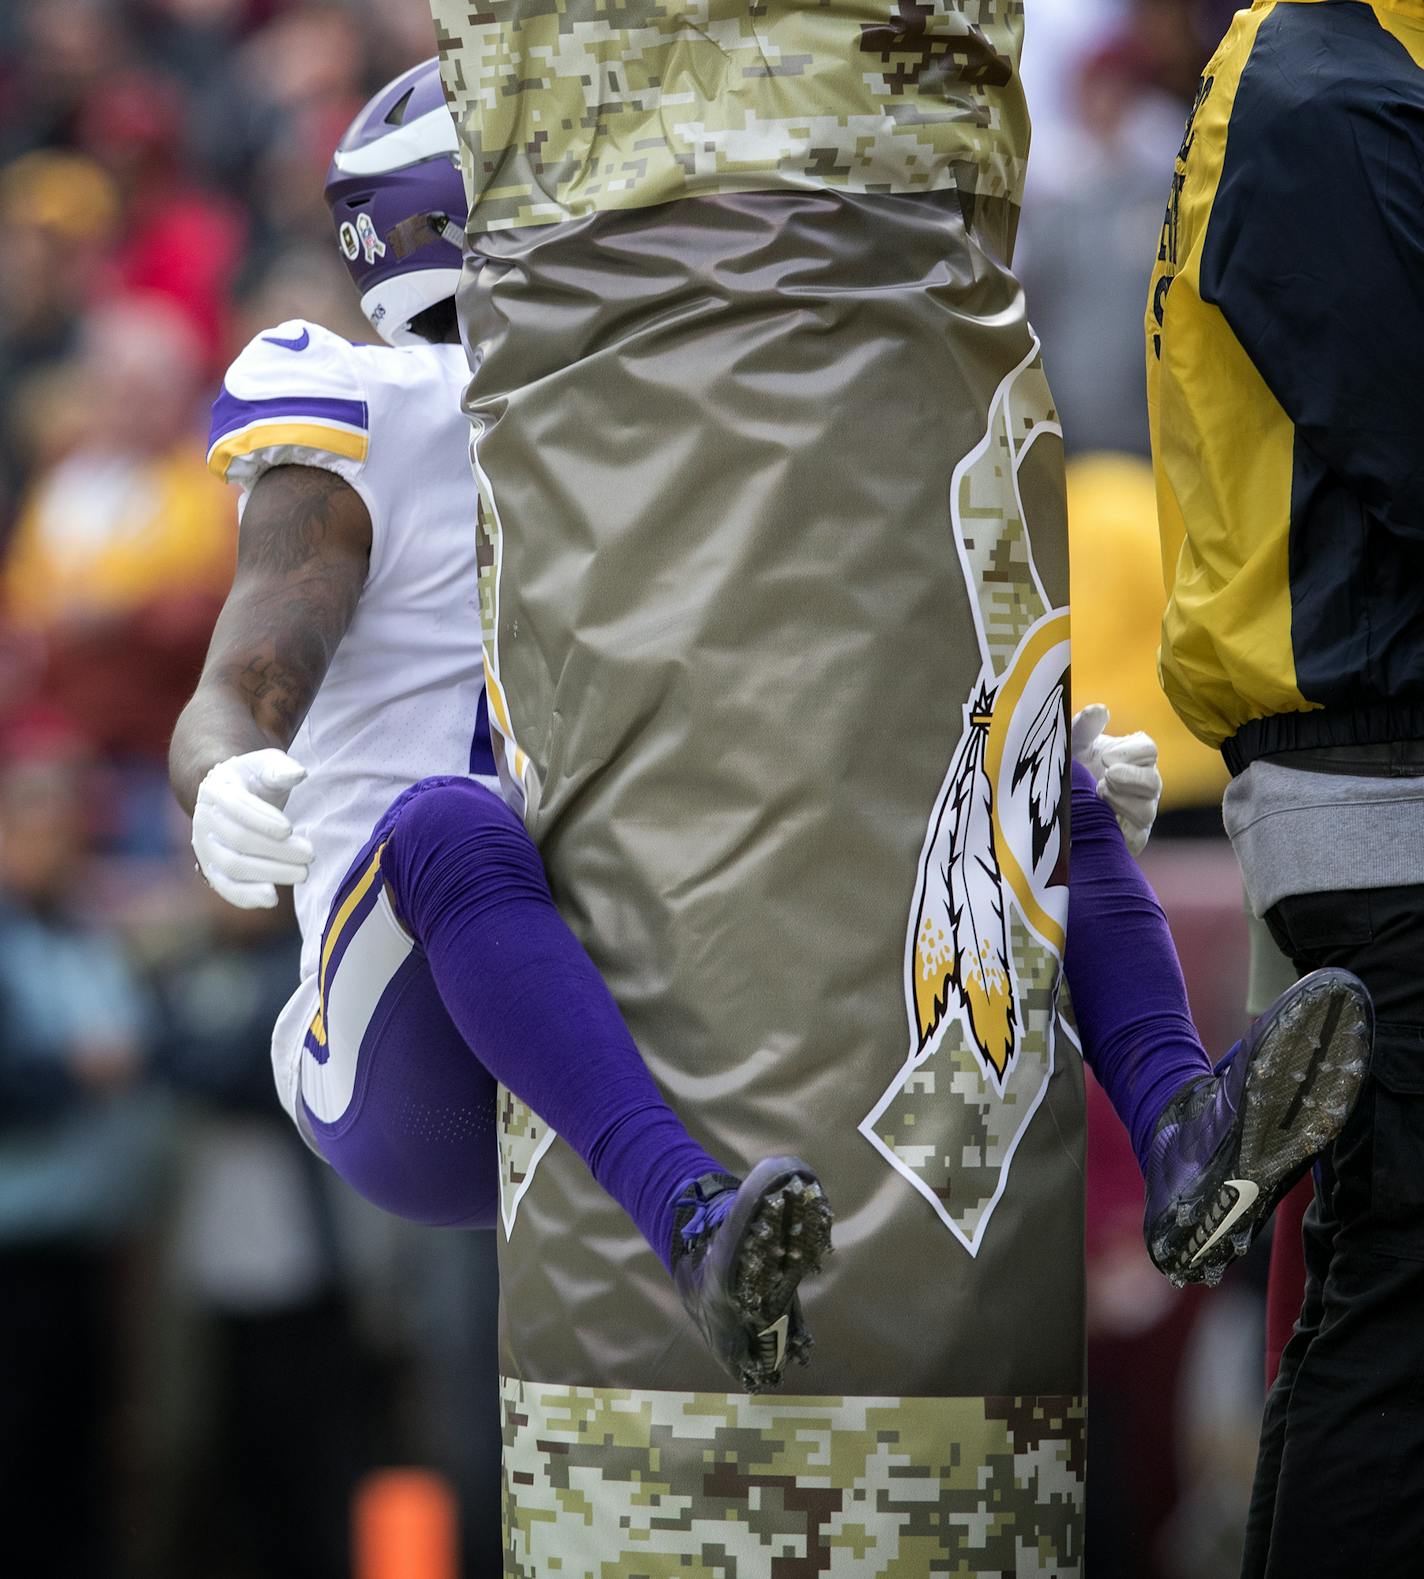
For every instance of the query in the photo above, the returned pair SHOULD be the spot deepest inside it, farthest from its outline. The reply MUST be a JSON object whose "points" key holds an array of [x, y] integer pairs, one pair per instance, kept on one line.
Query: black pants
{"points": [[1340, 1478], [58, 1384]]}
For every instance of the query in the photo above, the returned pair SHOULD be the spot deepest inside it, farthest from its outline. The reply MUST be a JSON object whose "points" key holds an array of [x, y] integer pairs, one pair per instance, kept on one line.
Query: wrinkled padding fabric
{"points": [[720, 446]]}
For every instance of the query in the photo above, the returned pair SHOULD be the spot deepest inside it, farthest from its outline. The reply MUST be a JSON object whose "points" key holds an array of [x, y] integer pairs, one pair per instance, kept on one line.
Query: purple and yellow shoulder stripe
{"points": [[242, 427]]}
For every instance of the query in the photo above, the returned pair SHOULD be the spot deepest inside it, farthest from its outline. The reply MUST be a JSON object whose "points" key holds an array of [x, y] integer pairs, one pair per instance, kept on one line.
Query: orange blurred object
{"points": [[405, 1526]]}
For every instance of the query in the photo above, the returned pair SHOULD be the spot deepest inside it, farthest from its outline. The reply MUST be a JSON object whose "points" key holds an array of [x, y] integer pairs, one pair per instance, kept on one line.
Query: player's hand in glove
{"points": [[1125, 767], [242, 838]]}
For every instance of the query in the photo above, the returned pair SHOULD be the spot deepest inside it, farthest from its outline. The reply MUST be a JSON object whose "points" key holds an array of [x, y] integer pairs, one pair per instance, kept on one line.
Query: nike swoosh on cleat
{"points": [[777, 1330], [302, 341], [1246, 1193]]}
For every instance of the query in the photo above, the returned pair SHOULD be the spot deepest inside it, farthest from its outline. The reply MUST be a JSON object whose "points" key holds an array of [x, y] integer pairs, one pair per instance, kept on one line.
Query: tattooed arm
{"points": [[302, 558]]}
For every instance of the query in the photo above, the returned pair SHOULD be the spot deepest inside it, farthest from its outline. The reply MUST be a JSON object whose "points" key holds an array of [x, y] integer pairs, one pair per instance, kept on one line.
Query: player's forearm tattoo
{"points": [[276, 691], [302, 559], [299, 579]]}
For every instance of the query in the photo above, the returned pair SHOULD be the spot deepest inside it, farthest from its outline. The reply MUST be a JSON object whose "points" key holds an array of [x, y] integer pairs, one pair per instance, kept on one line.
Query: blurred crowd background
{"points": [[205, 1342]]}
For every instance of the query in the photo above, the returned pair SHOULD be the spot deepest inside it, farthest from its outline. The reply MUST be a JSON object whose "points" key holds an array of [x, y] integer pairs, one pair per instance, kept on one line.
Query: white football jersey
{"points": [[404, 696]]}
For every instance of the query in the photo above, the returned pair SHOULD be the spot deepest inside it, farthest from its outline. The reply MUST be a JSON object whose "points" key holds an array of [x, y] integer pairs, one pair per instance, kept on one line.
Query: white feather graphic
{"points": [[934, 926], [976, 901], [1044, 761]]}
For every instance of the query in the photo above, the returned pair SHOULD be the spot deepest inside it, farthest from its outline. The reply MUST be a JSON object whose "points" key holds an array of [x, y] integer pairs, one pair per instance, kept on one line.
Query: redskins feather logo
{"points": [[962, 944], [996, 840], [986, 925]]}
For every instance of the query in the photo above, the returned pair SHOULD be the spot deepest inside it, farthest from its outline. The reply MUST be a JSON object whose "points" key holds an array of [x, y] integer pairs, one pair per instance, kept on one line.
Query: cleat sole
{"points": [[1304, 1078], [786, 1241]]}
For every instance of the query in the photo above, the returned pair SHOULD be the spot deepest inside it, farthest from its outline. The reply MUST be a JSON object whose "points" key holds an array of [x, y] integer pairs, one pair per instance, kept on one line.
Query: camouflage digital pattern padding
{"points": [[572, 107], [771, 486], [989, 923], [523, 1139], [798, 1488], [775, 581]]}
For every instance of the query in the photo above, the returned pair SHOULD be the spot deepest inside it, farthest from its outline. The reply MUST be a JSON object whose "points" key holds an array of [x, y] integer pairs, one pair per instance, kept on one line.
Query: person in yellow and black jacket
{"points": [[1285, 357]]}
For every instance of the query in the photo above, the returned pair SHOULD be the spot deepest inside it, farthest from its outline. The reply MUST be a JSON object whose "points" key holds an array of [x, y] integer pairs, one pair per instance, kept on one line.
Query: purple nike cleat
{"points": [[740, 1250], [1228, 1146]]}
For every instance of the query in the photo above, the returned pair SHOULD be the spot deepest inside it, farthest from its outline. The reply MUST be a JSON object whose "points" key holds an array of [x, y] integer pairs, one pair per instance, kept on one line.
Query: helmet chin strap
{"points": [[420, 230]]}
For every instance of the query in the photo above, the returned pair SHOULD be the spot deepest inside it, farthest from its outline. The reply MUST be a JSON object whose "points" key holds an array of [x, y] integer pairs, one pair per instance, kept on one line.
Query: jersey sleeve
{"points": [[294, 397]]}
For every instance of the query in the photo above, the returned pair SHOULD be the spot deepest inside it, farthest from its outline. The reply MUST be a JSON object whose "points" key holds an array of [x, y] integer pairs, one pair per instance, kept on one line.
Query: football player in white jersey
{"points": [[340, 741]]}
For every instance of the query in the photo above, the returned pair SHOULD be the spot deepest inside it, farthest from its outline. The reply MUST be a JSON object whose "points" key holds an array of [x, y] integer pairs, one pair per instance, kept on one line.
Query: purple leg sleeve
{"points": [[1128, 994], [466, 880]]}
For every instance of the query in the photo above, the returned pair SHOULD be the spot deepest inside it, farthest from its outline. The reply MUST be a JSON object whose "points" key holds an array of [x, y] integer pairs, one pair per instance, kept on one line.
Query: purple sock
{"points": [[1128, 994], [468, 883]]}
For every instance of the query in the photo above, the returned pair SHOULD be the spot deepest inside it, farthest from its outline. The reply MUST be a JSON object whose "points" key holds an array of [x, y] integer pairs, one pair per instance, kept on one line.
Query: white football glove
{"points": [[1125, 767], [242, 838]]}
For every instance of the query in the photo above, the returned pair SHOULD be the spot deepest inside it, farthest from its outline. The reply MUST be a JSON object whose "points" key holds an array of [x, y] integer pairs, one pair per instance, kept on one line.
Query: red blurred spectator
{"points": [[176, 239], [306, 71], [1139, 1328], [1285, 1291], [66, 48]]}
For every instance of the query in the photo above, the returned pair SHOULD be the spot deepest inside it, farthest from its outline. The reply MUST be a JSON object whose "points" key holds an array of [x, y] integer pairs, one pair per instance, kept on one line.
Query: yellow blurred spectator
{"points": [[125, 544], [1118, 599], [59, 215], [131, 514], [64, 194]]}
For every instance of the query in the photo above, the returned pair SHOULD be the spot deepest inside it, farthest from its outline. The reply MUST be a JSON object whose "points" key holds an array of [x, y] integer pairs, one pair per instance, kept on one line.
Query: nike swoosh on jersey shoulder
{"points": [[300, 343]]}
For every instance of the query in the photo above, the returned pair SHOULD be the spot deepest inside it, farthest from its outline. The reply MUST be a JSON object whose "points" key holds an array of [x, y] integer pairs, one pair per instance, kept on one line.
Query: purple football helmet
{"points": [[398, 199]]}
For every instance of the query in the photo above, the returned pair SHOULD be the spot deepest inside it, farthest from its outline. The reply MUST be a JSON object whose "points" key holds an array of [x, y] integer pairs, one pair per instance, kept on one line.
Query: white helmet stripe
{"points": [[424, 138]]}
